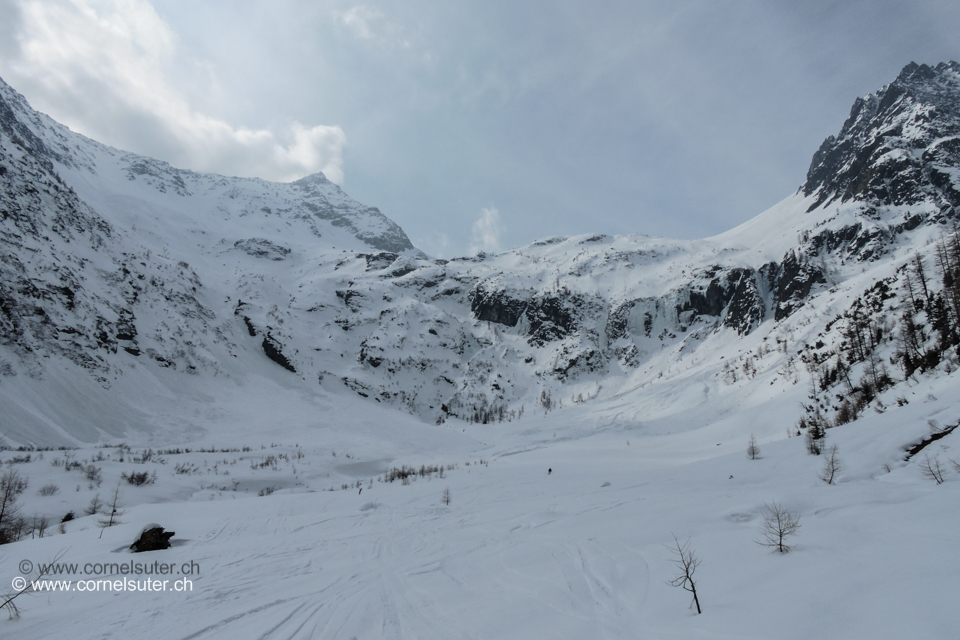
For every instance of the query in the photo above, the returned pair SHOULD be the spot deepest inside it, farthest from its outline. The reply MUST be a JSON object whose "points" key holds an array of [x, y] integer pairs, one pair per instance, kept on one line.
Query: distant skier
{"points": [[550, 470], [361, 491]]}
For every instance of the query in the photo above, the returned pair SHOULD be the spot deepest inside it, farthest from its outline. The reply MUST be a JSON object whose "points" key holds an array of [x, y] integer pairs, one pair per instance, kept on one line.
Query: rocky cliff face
{"points": [[898, 147], [896, 157], [121, 264]]}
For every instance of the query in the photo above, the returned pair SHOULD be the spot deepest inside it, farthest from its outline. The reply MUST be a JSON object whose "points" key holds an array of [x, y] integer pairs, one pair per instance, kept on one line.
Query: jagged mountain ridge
{"points": [[136, 265], [899, 146]]}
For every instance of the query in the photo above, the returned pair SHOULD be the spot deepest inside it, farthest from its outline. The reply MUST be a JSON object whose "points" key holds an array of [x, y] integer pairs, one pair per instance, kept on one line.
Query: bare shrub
{"points": [[932, 469], [753, 451], [48, 490], [39, 525], [146, 456], [9, 597], [95, 506], [446, 496], [269, 461], [778, 525], [139, 478], [93, 474]]}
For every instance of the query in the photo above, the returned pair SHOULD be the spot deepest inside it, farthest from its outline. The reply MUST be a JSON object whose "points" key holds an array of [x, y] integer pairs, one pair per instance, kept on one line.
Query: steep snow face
{"points": [[128, 269], [103, 251], [129, 189]]}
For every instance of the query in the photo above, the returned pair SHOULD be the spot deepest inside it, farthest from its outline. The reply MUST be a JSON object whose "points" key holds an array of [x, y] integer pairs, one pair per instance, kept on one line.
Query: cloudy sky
{"points": [[479, 124]]}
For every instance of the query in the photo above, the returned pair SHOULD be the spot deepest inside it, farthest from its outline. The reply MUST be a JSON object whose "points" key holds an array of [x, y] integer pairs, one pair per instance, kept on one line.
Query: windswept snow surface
{"points": [[517, 553]]}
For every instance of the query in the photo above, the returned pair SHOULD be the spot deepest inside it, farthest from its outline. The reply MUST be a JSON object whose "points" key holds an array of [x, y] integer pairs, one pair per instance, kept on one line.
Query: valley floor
{"points": [[581, 552]]}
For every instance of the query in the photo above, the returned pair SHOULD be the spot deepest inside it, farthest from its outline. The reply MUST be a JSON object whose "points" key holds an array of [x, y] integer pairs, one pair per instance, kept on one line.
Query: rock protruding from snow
{"points": [[152, 538]]}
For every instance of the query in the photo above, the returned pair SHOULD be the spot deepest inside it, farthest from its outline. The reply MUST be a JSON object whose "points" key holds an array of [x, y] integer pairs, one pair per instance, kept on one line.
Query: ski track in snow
{"points": [[392, 589]]}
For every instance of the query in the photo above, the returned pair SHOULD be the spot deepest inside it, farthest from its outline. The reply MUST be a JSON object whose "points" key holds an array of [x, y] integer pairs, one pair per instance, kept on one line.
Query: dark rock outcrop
{"points": [[746, 308], [793, 284], [734, 295], [272, 349], [377, 261], [262, 248], [152, 538], [552, 316], [496, 305]]}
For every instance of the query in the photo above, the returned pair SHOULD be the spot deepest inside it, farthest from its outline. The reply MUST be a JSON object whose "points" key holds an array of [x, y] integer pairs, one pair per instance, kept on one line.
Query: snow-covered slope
{"points": [[135, 266]]}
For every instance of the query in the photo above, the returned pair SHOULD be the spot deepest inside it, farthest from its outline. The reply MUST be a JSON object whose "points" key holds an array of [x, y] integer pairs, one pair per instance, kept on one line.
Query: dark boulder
{"points": [[152, 538]]}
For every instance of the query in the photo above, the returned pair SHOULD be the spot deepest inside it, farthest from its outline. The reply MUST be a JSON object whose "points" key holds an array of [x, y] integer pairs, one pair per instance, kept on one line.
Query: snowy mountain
{"points": [[121, 265], [353, 440]]}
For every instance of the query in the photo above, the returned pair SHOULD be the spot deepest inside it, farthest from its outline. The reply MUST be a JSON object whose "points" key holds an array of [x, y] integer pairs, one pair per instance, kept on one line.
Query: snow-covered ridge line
{"points": [[126, 269]]}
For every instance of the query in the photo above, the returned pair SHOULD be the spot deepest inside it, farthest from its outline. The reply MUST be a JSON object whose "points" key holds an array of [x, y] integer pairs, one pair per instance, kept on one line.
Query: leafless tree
{"points": [[95, 506], [687, 562], [39, 525], [8, 598], [831, 465], [112, 511], [12, 484], [753, 450], [931, 468], [778, 525], [446, 496]]}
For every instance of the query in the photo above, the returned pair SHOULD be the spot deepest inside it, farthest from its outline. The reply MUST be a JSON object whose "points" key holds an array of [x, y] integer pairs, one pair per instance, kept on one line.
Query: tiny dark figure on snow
{"points": [[550, 470]]}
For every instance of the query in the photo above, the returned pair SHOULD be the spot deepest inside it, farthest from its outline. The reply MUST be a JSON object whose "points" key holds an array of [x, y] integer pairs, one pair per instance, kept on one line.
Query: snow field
{"points": [[519, 553]]}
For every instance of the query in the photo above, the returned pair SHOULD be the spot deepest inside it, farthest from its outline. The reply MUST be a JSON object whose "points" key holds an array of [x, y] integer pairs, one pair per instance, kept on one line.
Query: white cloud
{"points": [[486, 231], [369, 23], [360, 19], [103, 68]]}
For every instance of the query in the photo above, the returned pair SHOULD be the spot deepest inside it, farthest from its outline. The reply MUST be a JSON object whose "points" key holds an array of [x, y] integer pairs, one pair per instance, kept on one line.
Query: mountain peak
{"points": [[898, 146], [923, 73], [313, 178]]}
